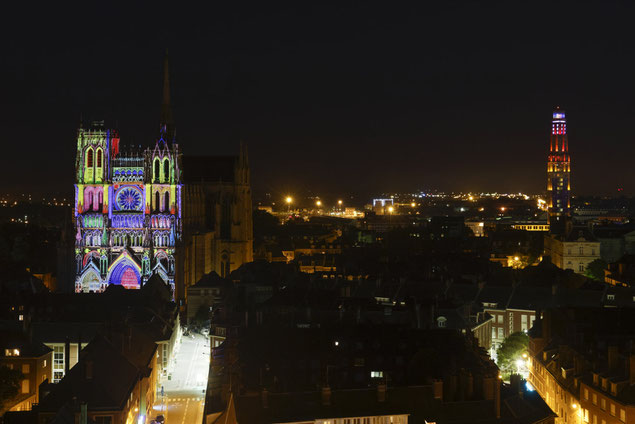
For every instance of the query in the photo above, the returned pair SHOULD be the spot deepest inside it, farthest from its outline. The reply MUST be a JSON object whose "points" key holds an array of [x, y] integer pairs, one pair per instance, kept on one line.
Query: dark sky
{"points": [[346, 98]]}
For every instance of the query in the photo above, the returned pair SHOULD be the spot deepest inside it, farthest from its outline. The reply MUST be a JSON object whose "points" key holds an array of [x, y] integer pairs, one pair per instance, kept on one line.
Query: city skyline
{"points": [[459, 101]]}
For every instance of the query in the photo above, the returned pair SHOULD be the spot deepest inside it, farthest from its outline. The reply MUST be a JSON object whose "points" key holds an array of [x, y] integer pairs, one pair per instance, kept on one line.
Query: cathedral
{"points": [[127, 207], [144, 212]]}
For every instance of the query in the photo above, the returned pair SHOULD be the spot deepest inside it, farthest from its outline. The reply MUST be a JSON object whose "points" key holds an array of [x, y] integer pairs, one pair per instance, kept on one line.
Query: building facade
{"points": [[585, 379], [33, 360], [218, 222], [574, 251], [127, 207], [506, 321]]}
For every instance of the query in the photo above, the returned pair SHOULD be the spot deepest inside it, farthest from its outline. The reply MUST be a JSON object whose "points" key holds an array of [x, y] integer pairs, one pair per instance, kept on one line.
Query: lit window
{"points": [[12, 352], [376, 374], [89, 158]]}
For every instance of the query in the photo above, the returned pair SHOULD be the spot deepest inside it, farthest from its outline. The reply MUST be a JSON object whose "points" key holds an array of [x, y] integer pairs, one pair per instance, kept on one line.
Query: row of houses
{"points": [[102, 356]]}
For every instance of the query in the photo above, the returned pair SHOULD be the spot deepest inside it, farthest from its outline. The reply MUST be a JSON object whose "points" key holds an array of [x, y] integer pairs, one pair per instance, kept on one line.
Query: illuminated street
{"points": [[184, 391]]}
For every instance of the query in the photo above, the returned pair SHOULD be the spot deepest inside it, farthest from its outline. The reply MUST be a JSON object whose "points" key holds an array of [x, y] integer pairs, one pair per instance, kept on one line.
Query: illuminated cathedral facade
{"points": [[127, 207]]}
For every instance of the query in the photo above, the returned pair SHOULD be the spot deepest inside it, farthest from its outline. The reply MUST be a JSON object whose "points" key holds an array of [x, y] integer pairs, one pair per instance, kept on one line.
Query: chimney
{"points": [[79, 346], [89, 370], [437, 389], [83, 416], [381, 393], [546, 325], [264, 396], [631, 369], [67, 355], [612, 357], [578, 365], [326, 396]]}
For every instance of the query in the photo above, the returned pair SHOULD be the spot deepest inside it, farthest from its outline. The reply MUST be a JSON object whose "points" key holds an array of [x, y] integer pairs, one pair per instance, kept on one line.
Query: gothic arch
{"points": [[89, 281], [89, 196], [125, 271], [160, 269], [89, 158], [166, 170], [157, 170]]}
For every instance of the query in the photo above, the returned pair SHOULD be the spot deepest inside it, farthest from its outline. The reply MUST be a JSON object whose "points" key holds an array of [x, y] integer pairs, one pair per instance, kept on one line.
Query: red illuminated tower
{"points": [[559, 172]]}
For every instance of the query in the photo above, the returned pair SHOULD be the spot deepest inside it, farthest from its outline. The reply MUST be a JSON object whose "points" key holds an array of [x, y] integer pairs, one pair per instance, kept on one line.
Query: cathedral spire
{"points": [[167, 126]]}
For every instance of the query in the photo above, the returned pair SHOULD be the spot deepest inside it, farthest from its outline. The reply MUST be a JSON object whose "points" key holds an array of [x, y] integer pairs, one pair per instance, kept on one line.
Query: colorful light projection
{"points": [[127, 221], [125, 271], [118, 224], [129, 199]]}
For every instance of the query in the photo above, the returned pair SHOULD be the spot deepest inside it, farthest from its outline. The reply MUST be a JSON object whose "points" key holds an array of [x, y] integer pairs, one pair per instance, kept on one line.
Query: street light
{"points": [[413, 204], [390, 209], [289, 199], [339, 202], [318, 203]]}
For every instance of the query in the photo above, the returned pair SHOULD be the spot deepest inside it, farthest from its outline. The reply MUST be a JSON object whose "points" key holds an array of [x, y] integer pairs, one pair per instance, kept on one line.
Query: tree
{"points": [[9, 383], [595, 270], [511, 351]]}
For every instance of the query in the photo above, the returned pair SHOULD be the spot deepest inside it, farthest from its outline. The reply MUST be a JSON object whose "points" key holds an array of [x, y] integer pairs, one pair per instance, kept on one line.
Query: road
{"points": [[184, 391]]}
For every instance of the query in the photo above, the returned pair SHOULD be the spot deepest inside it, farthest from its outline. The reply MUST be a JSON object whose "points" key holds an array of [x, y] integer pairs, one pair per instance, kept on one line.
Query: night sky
{"points": [[358, 98]]}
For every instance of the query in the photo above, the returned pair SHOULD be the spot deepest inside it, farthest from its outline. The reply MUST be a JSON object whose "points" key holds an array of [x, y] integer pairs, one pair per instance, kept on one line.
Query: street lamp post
{"points": [[289, 199]]}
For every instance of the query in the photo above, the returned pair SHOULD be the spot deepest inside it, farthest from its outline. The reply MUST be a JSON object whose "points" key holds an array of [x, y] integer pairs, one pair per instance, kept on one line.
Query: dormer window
{"points": [[441, 322], [610, 297]]}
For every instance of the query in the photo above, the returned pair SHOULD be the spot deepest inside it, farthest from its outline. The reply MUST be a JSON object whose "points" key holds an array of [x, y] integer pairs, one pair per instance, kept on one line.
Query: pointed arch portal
{"points": [[126, 272]]}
